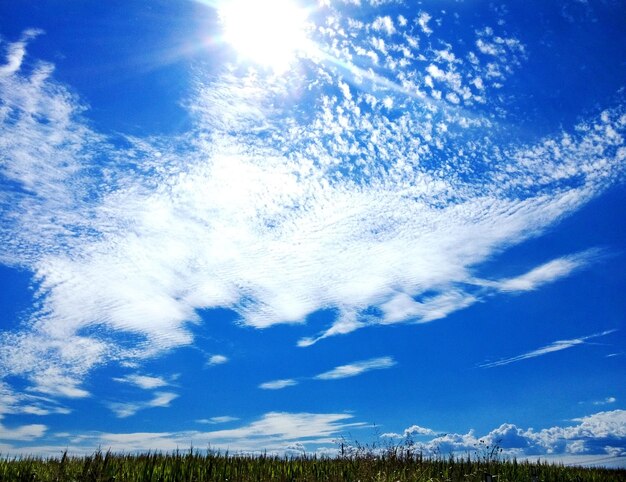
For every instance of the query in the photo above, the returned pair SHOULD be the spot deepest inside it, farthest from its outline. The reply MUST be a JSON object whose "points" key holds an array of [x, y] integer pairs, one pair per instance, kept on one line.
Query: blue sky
{"points": [[273, 225]]}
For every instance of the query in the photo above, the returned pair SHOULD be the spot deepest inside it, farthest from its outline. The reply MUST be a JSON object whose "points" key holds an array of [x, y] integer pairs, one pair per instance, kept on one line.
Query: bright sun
{"points": [[267, 32]]}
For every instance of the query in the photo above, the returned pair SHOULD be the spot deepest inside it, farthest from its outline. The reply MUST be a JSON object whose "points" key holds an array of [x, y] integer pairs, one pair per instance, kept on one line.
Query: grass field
{"points": [[196, 466]]}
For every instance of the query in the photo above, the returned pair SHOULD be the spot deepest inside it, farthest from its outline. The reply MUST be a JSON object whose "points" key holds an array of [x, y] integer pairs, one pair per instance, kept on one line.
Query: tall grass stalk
{"points": [[389, 466]]}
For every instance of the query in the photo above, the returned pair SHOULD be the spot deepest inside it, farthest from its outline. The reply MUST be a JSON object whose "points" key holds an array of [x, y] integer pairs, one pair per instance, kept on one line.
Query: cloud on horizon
{"points": [[599, 434], [273, 432], [602, 433]]}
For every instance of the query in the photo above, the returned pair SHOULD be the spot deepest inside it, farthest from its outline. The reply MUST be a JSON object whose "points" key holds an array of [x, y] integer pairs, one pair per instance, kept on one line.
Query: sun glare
{"points": [[267, 32]]}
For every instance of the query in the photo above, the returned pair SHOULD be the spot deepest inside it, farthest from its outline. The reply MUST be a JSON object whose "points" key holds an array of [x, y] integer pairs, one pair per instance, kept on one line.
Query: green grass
{"points": [[195, 466]]}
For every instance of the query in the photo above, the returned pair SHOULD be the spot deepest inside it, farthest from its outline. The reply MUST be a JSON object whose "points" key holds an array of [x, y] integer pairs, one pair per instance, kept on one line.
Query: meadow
{"points": [[209, 466]]}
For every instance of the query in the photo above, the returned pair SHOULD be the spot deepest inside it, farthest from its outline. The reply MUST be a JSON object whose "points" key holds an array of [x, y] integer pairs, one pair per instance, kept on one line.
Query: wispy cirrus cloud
{"points": [[128, 239], [278, 384], [128, 409], [17, 402], [22, 433], [342, 371], [273, 432], [216, 420], [558, 345], [14, 403], [357, 368], [16, 51], [402, 307], [606, 401], [143, 381], [548, 272]]}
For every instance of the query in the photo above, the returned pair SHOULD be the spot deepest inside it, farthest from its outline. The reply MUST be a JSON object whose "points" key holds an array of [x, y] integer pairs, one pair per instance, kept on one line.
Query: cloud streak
{"points": [[556, 346], [342, 371], [547, 272], [216, 420], [128, 409], [143, 381], [278, 384], [357, 368]]}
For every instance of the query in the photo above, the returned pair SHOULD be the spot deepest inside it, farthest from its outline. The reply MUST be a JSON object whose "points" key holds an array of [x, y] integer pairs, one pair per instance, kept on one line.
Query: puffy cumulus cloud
{"points": [[422, 20], [417, 430], [217, 360], [384, 24], [603, 433], [381, 205], [410, 432]]}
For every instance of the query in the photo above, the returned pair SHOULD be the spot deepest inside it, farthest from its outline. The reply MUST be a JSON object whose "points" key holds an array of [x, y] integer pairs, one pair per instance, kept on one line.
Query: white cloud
{"points": [[597, 434], [217, 360], [278, 384], [123, 258], [606, 401], [216, 420], [384, 24], [357, 368], [22, 433], [602, 434], [343, 371], [423, 20], [412, 431], [417, 430], [143, 381], [289, 426], [13, 402], [548, 272], [551, 348], [274, 433], [16, 52], [53, 382], [128, 409], [402, 307]]}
